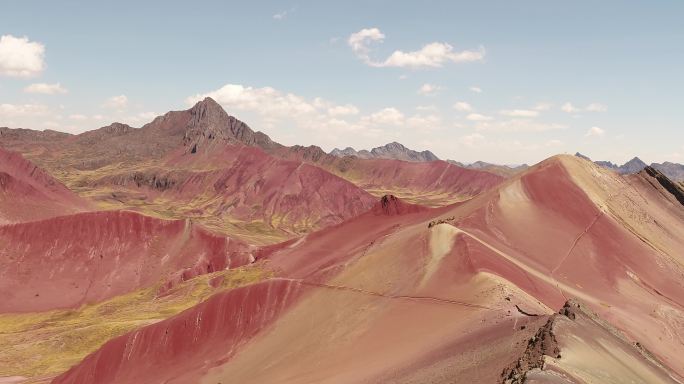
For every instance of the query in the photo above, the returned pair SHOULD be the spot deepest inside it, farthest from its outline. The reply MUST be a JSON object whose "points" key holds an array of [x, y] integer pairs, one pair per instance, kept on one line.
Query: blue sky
{"points": [[501, 81]]}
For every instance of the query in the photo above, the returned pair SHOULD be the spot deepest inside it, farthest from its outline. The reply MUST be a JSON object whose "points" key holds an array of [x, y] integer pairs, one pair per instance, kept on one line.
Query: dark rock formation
{"points": [[676, 190]]}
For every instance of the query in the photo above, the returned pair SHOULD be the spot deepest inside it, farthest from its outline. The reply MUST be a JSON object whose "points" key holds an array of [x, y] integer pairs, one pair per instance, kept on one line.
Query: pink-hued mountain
{"points": [[456, 294], [69, 261], [217, 170], [29, 193]]}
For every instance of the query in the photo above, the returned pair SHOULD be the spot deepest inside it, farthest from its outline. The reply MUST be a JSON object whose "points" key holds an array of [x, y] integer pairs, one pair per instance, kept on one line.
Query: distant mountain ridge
{"points": [[393, 150], [498, 169], [673, 171]]}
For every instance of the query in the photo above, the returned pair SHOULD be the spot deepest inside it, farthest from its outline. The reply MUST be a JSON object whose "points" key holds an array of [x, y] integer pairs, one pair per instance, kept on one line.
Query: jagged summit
{"points": [[633, 166], [393, 150]]}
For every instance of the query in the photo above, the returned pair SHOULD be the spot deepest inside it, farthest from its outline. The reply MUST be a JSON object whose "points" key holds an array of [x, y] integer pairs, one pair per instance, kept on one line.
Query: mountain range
{"points": [[392, 150], [196, 250], [673, 171]]}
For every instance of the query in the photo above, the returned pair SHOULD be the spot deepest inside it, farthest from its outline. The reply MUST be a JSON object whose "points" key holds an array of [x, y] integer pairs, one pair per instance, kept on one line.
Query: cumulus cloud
{"points": [[432, 55], [19, 110], [360, 41], [343, 110], [45, 89], [595, 132], [472, 140], [118, 102], [542, 106], [596, 107], [463, 106], [20, 57], [516, 125], [78, 117], [475, 89], [282, 15], [593, 107], [569, 108], [323, 122], [424, 122], [426, 108], [519, 113], [428, 89], [385, 116], [478, 117], [265, 100]]}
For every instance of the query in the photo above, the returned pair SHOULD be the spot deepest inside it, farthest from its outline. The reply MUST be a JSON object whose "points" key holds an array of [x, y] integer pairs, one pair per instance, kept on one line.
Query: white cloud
{"points": [[294, 119], [427, 108], [593, 107], [432, 55], [78, 117], [20, 57], [472, 140], [428, 89], [569, 108], [517, 126], [553, 143], [478, 117], [139, 118], [20, 110], [148, 116], [118, 102], [542, 106], [424, 123], [519, 113], [282, 15], [343, 110], [476, 89], [596, 107], [265, 100], [463, 106], [45, 89], [360, 41], [595, 132], [385, 116]]}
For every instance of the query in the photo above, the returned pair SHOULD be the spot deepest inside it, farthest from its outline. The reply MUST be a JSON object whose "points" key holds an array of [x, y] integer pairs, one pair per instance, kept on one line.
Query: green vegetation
{"points": [[48, 343]]}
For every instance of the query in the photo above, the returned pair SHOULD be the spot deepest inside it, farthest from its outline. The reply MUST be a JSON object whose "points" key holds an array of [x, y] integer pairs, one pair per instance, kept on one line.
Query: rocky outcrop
{"points": [[556, 351], [391, 205], [543, 343], [676, 190]]}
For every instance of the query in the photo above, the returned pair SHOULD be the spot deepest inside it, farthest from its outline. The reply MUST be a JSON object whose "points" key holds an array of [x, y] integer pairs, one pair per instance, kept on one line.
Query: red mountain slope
{"points": [[69, 261], [432, 183], [453, 294], [29, 193]]}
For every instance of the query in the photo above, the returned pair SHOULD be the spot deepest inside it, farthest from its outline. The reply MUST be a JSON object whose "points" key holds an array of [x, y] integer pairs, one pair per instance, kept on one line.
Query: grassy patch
{"points": [[48, 343]]}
